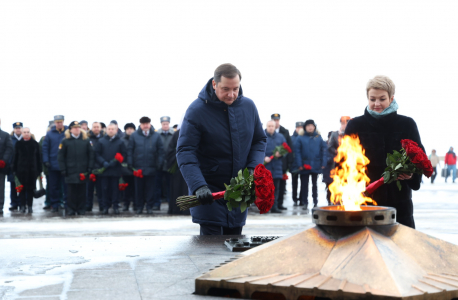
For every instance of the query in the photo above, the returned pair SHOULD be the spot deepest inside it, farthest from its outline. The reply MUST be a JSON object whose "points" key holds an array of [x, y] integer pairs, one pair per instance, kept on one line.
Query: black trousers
{"points": [[328, 192], [295, 181], [281, 192], [91, 187], [144, 191], [305, 188], [128, 195], [219, 230], [76, 199], [277, 184], [110, 191], [26, 197], [433, 177]]}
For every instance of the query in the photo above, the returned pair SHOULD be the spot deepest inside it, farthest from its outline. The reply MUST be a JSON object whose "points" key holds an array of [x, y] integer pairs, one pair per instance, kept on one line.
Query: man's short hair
{"points": [[381, 82], [226, 70]]}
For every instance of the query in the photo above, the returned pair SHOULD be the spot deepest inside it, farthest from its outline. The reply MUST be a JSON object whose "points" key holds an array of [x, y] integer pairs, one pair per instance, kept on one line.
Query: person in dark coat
{"points": [[163, 177], [220, 135], [94, 135], [128, 195], [6, 154], [275, 165], [27, 166], [16, 136], [145, 152], [178, 186], [105, 151], [287, 160], [380, 131], [76, 157], [295, 176], [47, 204], [51, 145], [310, 149]]}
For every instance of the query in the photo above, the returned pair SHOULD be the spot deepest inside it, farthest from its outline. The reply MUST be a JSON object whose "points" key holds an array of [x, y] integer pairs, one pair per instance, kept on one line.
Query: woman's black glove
{"points": [[204, 195]]}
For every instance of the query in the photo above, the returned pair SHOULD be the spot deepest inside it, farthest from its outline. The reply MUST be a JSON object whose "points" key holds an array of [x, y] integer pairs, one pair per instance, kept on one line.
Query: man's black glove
{"points": [[63, 173], [204, 195], [47, 164], [251, 170]]}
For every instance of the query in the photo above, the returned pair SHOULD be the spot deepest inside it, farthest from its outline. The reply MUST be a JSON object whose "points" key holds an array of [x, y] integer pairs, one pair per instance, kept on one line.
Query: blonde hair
{"points": [[381, 82]]}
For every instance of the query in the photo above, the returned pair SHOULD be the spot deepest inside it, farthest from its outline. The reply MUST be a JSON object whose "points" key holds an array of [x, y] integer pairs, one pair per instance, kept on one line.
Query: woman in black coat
{"points": [[381, 130], [27, 166]]}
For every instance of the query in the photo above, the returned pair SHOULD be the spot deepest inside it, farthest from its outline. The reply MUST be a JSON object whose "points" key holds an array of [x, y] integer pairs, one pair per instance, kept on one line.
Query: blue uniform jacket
{"points": [[145, 152], [106, 150], [311, 150], [216, 141], [276, 165], [51, 147]]}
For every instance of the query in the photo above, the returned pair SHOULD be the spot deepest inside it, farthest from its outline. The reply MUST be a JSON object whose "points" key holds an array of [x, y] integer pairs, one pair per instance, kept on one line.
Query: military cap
{"points": [[129, 125], [299, 124], [145, 120], [83, 122], [114, 122], [74, 124], [50, 123], [275, 116], [59, 118], [165, 119], [18, 124]]}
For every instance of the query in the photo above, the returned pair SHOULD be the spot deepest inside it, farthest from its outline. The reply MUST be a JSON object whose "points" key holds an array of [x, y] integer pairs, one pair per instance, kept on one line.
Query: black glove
{"points": [[106, 164], [47, 164], [204, 195], [113, 163], [251, 170], [63, 173]]}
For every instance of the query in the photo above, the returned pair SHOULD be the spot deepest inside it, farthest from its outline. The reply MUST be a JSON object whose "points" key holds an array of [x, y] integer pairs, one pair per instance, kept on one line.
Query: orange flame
{"points": [[349, 176]]}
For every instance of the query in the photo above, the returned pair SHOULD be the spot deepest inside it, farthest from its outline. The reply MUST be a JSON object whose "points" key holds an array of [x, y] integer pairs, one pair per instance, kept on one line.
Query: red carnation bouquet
{"points": [[19, 186], [92, 178], [242, 191], [305, 166], [118, 157], [83, 176], [138, 173], [410, 160], [285, 177], [283, 149], [122, 185]]}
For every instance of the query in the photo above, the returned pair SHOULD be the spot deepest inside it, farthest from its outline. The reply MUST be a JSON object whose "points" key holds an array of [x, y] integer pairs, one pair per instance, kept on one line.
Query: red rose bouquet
{"points": [[118, 157], [242, 191], [2, 164], [283, 149], [92, 178], [411, 159], [19, 186]]}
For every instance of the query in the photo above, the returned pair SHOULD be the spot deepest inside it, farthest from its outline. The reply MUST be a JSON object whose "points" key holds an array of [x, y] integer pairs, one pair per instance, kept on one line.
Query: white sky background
{"points": [[104, 60]]}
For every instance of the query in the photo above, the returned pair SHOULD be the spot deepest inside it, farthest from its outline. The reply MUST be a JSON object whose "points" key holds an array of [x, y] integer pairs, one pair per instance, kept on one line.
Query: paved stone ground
{"points": [[44, 256]]}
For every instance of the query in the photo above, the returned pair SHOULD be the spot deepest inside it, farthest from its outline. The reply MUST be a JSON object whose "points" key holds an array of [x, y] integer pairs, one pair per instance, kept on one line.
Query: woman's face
{"points": [[378, 100]]}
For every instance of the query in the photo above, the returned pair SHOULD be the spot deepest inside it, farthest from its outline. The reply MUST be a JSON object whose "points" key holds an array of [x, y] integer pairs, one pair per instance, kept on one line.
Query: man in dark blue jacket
{"points": [[51, 146], [6, 153], [295, 176], [106, 150], [275, 165], [221, 134], [16, 136], [145, 152]]}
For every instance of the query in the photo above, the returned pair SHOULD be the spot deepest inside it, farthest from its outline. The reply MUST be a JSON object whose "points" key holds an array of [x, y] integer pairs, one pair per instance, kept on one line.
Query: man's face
{"points": [[84, 126], [310, 128], [277, 124], [75, 131], [96, 128], [270, 127], [145, 126], [112, 130], [26, 134], [129, 131], [227, 90], [18, 131], [59, 125], [298, 128], [165, 126]]}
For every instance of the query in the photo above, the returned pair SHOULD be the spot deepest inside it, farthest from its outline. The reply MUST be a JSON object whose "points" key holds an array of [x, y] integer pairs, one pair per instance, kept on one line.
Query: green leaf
{"points": [[238, 199], [388, 160], [386, 176], [243, 206], [233, 182], [398, 166], [246, 173], [398, 183], [236, 194], [226, 186], [226, 195], [229, 206]]}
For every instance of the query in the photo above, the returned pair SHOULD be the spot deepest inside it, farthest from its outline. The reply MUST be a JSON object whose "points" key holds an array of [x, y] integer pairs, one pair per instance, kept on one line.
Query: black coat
{"points": [[145, 153], [288, 160], [27, 162], [106, 150], [94, 141], [126, 171], [76, 156], [380, 137], [6, 150]]}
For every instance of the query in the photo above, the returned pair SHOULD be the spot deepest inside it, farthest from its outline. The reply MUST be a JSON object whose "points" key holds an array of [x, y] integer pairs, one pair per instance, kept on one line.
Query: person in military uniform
{"points": [[295, 176], [6, 152], [287, 160], [95, 134], [50, 149], [162, 176], [76, 157], [16, 136]]}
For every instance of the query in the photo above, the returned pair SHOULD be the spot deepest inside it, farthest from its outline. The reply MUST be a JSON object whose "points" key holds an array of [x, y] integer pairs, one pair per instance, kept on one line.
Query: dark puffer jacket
{"points": [[106, 150], [76, 156], [145, 152], [94, 139], [276, 165], [27, 162], [310, 149], [6, 150]]}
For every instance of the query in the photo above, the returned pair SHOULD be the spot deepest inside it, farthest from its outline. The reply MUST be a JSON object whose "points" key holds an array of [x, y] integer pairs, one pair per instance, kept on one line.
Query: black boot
{"points": [[30, 210], [125, 208], [116, 211], [281, 207], [13, 208], [23, 209], [105, 211], [305, 207]]}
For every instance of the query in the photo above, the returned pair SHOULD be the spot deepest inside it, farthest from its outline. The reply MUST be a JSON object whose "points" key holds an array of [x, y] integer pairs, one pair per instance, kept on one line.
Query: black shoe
{"points": [[275, 211], [23, 209], [139, 211], [149, 211], [46, 207], [105, 211], [295, 203], [301, 204], [156, 208], [305, 207], [30, 210], [116, 211], [71, 213], [315, 205], [13, 208], [282, 208], [82, 213], [88, 209], [55, 209]]}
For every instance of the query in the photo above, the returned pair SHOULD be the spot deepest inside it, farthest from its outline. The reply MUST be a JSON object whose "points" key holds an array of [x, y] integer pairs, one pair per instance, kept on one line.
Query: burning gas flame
{"points": [[349, 176]]}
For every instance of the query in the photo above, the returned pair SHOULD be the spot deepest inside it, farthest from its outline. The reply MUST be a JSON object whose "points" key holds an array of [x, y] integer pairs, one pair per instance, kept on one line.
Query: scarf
{"points": [[452, 153], [389, 110]]}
